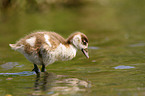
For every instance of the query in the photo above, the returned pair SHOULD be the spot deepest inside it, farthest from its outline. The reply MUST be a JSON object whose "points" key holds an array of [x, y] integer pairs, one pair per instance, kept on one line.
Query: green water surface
{"points": [[116, 67]]}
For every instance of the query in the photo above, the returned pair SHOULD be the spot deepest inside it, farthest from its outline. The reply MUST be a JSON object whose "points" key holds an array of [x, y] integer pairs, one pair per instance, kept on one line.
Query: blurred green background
{"points": [[116, 32]]}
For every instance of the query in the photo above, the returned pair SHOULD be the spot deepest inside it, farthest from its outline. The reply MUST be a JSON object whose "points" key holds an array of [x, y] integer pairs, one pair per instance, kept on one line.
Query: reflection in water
{"points": [[47, 80], [52, 84]]}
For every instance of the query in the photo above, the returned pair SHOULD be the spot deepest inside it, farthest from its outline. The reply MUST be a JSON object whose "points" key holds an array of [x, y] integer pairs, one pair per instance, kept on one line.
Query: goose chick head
{"points": [[79, 41]]}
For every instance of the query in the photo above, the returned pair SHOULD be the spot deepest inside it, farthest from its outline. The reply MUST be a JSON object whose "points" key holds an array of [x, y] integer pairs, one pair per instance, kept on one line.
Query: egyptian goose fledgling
{"points": [[44, 48]]}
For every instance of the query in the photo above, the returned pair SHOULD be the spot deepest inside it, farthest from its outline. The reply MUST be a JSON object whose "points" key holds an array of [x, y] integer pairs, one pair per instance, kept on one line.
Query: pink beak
{"points": [[85, 51]]}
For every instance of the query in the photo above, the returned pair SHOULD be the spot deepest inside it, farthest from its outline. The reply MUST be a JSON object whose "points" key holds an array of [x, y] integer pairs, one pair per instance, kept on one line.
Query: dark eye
{"points": [[84, 42]]}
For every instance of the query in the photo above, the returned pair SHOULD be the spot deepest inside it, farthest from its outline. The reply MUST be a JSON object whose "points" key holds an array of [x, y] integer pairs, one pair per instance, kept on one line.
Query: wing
{"points": [[53, 40]]}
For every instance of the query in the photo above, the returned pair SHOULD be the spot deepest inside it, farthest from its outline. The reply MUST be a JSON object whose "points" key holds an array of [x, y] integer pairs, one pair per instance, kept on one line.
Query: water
{"points": [[10, 65], [137, 45], [123, 67], [24, 73], [116, 47], [93, 47]]}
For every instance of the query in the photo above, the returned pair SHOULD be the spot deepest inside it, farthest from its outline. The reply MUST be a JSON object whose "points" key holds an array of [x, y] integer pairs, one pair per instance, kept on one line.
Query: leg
{"points": [[36, 69], [43, 68]]}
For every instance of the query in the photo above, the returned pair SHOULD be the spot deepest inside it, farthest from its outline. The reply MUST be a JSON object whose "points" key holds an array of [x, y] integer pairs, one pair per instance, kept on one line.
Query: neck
{"points": [[69, 42], [68, 53], [73, 49]]}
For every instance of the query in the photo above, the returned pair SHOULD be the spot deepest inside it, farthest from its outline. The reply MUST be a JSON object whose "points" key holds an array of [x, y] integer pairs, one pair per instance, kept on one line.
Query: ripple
{"points": [[24, 73], [123, 67], [137, 45], [93, 47]]}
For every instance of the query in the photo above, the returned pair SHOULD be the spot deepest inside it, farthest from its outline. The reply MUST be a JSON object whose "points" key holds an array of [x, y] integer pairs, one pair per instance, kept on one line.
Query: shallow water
{"points": [[116, 47], [24, 73], [123, 67]]}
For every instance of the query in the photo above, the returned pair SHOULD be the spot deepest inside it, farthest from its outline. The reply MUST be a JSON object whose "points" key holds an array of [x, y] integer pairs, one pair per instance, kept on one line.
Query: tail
{"points": [[15, 47]]}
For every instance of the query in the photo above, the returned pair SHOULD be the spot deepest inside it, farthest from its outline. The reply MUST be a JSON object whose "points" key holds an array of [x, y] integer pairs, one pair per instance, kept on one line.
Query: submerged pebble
{"points": [[9, 78], [10, 65], [93, 60], [123, 67], [8, 95]]}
